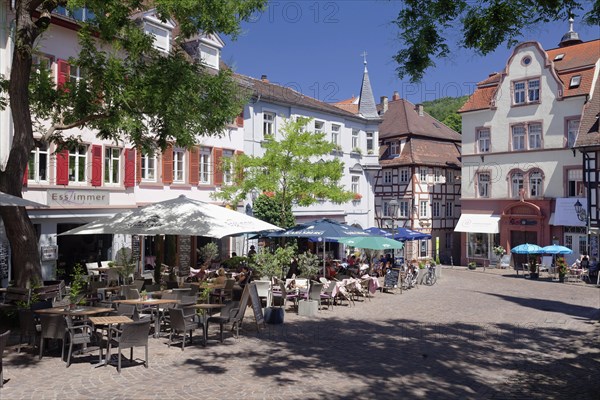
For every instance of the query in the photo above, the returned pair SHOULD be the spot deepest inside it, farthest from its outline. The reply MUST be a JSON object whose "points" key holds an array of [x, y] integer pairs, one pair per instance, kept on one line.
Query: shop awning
{"points": [[478, 223]]}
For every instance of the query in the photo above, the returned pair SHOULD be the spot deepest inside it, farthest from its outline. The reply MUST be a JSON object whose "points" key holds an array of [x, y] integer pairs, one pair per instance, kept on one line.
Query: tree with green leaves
{"points": [[295, 169], [129, 92], [446, 109], [266, 207], [484, 25]]}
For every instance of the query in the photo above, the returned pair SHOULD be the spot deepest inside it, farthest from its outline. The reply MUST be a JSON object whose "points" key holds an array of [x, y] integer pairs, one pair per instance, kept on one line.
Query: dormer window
{"points": [[209, 56], [162, 36], [559, 57], [575, 81]]}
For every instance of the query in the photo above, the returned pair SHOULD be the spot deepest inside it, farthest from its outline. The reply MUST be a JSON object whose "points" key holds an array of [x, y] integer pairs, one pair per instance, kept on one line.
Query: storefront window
{"points": [[478, 245]]}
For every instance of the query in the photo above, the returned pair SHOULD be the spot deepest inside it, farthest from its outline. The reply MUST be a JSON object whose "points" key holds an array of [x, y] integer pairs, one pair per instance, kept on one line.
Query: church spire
{"points": [[366, 103]]}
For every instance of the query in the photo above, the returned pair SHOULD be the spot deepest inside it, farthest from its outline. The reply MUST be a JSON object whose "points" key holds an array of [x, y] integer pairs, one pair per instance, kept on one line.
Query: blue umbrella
{"points": [[323, 228], [556, 249], [378, 231], [527, 248], [409, 234]]}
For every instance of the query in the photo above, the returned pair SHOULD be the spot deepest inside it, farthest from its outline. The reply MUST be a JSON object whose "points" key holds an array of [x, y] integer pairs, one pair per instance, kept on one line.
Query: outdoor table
{"points": [[78, 311], [153, 303], [109, 321], [205, 307]]}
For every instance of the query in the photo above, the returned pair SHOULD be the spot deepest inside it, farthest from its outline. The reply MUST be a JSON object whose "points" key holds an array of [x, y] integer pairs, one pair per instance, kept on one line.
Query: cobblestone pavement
{"points": [[473, 335]]}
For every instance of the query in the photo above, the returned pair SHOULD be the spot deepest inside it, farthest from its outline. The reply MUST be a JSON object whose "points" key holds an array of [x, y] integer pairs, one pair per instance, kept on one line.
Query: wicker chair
{"points": [[134, 334], [52, 327], [27, 327], [80, 333], [232, 313], [3, 340], [183, 320]]}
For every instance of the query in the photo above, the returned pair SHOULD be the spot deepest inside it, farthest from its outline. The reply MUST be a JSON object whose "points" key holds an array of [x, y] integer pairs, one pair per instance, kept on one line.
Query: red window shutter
{"points": [[26, 175], [167, 165], [239, 120], [194, 165], [64, 72], [138, 168], [218, 168], [62, 167], [96, 165], [130, 160]]}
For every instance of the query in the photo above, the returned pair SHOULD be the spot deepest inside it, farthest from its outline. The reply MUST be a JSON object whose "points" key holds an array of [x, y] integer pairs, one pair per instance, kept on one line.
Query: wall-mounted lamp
{"points": [[580, 211], [482, 158]]}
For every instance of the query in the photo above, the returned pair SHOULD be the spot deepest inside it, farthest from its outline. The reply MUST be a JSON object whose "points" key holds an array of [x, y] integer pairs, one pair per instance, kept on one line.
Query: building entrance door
{"points": [[522, 237]]}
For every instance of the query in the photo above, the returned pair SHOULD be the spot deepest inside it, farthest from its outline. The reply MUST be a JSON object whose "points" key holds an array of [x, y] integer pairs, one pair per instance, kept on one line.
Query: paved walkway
{"points": [[473, 335]]}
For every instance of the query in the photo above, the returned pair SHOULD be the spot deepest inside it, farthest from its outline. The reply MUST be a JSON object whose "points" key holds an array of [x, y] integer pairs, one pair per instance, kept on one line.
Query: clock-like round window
{"points": [[526, 60]]}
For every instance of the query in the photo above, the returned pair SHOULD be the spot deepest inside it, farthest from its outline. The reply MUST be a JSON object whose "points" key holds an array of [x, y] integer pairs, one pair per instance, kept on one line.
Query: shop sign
{"points": [[63, 197], [49, 253], [522, 221]]}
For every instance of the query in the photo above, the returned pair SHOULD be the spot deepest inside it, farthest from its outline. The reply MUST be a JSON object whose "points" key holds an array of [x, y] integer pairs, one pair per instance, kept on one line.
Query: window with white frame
{"points": [[370, 138], [435, 208], [78, 164], [162, 36], [575, 186], [437, 174], [209, 56], [527, 91], [483, 184], [268, 124], [449, 176], [80, 14], [385, 208], [335, 134], [403, 209], [319, 126], [38, 164], [572, 128], [148, 167], [534, 131], [76, 74], [112, 165], [423, 208], [355, 188], [423, 174], [424, 245], [42, 62], [355, 133], [536, 184], [179, 165], [518, 137], [404, 175], [517, 184], [227, 167], [387, 176], [204, 165], [394, 148], [483, 140], [449, 209]]}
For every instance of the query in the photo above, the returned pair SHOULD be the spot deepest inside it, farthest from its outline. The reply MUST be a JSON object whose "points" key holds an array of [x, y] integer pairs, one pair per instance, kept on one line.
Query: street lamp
{"points": [[392, 209], [581, 212]]}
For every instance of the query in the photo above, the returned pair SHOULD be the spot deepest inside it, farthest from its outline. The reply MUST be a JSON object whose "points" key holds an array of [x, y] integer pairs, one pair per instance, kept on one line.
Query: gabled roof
{"points": [[588, 135], [272, 92], [402, 118], [422, 151], [350, 105], [577, 59]]}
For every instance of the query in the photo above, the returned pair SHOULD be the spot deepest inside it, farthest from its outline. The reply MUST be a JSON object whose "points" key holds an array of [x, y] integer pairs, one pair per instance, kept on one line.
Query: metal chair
{"points": [[3, 340], [183, 320], [134, 334]]}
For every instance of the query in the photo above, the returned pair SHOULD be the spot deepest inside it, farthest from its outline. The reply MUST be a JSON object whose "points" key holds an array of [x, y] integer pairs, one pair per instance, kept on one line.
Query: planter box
{"points": [[308, 308]]}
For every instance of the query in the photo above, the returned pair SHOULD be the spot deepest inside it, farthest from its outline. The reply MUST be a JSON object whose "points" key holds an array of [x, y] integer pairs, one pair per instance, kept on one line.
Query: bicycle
{"points": [[430, 277]]}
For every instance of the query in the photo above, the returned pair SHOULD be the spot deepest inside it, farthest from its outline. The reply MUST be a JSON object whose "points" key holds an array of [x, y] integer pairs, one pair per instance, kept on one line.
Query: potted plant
{"points": [[77, 287], [472, 265], [561, 268], [499, 251], [144, 295], [533, 267], [356, 197], [126, 263], [308, 263]]}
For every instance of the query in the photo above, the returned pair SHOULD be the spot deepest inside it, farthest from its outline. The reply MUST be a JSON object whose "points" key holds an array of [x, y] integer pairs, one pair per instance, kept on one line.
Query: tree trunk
{"points": [[19, 229]]}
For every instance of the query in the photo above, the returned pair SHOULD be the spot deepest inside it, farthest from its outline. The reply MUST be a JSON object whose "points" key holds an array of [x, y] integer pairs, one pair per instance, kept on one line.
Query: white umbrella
{"points": [[179, 216], [14, 201]]}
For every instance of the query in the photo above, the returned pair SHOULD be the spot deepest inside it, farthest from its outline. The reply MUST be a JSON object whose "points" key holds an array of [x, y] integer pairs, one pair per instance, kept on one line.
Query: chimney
{"points": [[264, 78], [419, 109], [384, 104], [396, 96]]}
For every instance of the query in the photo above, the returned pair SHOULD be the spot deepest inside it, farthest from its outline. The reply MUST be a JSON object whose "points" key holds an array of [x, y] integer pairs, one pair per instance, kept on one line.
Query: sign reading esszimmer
{"points": [[78, 197]]}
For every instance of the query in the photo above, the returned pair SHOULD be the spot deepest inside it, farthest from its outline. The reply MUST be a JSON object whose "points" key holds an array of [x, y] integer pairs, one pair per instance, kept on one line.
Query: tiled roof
{"points": [[353, 108], [578, 59], [588, 134], [402, 118], [425, 152], [273, 92]]}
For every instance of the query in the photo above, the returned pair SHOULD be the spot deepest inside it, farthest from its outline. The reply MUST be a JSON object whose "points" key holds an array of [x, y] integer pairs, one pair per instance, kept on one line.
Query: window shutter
{"points": [[62, 167], [167, 164], [26, 175], [239, 172], [218, 168], [64, 72], [194, 165], [239, 120], [138, 168], [130, 160], [96, 165]]}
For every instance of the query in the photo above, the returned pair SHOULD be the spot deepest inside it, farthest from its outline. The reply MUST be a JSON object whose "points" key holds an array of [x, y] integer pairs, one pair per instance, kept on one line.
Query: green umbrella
{"points": [[372, 242]]}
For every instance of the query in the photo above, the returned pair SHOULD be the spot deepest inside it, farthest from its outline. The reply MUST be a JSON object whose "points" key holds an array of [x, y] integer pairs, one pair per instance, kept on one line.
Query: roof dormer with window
{"points": [[162, 31]]}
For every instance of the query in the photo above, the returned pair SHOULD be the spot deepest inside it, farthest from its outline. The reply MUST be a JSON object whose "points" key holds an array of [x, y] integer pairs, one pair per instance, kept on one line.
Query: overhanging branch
{"points": [[74, 124]]}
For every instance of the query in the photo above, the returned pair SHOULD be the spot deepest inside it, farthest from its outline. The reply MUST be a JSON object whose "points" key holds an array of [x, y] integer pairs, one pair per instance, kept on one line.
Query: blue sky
{"points": [[316, 46]]}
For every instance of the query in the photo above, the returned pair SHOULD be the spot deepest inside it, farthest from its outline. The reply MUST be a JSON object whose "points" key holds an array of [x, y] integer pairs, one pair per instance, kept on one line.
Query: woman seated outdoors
{"points": [[244, 276], [221, 278], [331, 269]]}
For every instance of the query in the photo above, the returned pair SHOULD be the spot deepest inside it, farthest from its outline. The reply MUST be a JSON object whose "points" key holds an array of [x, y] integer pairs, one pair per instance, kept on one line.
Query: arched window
{"points": [[516, 183], [536, 183]]}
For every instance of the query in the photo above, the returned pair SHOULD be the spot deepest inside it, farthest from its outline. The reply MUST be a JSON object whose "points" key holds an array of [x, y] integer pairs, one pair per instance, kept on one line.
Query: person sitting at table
{"points": [[252, 251], [331, 269], [584, 263], [220, 279], [293, 271], [244, 277]]}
